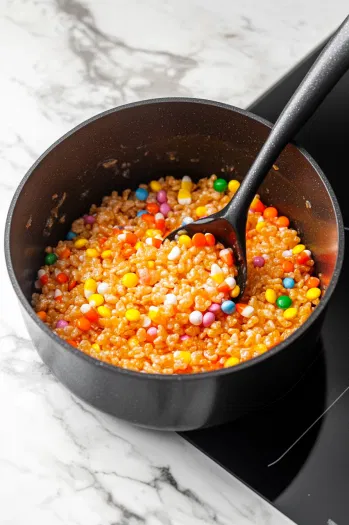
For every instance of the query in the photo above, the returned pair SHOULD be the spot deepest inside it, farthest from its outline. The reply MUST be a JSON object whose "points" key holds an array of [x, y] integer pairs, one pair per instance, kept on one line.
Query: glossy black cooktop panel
{"points": [[296, 452]]}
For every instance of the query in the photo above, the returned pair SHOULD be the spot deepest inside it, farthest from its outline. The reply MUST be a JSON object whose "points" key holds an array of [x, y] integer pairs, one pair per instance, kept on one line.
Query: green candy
{"points": [[284, 302], [50, 258], [220, 185]]}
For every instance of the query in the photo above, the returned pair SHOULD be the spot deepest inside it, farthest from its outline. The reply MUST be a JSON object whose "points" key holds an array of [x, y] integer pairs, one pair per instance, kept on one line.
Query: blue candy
{"points": [[141, 194], [288, 282], [187, 220], [141, 212], [228, 307], [70, 236]]}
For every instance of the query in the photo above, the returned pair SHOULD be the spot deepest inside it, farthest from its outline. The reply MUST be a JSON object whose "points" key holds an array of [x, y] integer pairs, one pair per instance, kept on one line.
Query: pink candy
{"points": [[89, 219], [161, 196], [214, 308], [61, 323], [208, 319], [152, 332], [164, 208], [184, 337]]}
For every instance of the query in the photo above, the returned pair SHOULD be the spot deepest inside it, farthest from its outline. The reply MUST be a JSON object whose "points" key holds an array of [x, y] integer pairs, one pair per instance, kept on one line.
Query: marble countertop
{"points": [[61, 61]]}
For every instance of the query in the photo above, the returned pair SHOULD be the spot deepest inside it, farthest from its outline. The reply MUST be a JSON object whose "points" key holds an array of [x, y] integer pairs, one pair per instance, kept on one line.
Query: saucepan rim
{"points": [[176, 377]]}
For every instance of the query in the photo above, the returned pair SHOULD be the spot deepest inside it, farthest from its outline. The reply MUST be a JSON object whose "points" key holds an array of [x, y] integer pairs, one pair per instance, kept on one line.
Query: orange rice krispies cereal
{"points": [[119, 294]]}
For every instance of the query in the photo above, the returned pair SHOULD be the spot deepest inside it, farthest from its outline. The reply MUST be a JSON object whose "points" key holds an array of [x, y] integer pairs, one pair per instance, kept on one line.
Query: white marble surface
{"points": [[62, 61]]}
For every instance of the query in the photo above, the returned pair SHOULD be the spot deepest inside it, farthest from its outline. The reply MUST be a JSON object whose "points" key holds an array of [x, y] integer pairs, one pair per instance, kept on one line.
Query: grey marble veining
{"points": [[62, 61]]}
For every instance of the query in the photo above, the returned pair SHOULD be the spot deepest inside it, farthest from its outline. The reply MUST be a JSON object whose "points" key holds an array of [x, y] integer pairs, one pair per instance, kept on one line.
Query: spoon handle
{"points": [[330, 66]]}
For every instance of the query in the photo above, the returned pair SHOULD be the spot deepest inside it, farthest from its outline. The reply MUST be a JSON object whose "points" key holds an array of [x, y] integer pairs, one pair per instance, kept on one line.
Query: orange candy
{"points": [[257, 205], [152, 207], [199, 240], [224, 288], [210, 239], [61, 278], [102, 240], [83, 324], [287, 266], [72, 284], [131, 238], [92, 315], [65, 253], [270, 213], [227, 257], [148, 218], [302, 258], [240, 307], [44, 279], [42, 315], [72, 343], [282, 222], [313, 282]]}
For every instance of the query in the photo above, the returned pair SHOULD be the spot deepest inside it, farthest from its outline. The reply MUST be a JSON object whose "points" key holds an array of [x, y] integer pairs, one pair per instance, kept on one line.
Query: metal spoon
{"points": [[229, 224]]}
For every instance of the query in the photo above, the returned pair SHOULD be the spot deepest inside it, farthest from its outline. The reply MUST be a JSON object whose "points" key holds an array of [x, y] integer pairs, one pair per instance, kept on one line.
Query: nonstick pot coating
{"points": [[134, 144]]}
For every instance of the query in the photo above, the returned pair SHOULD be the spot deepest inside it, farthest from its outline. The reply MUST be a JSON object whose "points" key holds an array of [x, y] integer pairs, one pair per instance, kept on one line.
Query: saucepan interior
{"points": [[134, 144]]}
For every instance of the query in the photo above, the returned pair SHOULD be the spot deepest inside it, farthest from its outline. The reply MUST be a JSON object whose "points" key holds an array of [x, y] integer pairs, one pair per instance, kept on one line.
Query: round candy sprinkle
{"points": [[287, 266], [270, 213], [231, 361], [313, 293], [132, 314], [107, 254], [201, 211], [196, 318], [208, 319], [89, 219], [290, 313], [161, 197], [313, 282], [258, 261], [235, 292], [42, 315], [141, 212], [270, 296], [214, 308], [155, 186], [83, 324], [91, 252], [185, 240], [184, 337], [141, 194], [298, 249], [233, 185], [220, 185], [165, 208], [62, 278], [70, 236], [153, 207], [284, 301], [199, 240], [61, 323], [288, 282], [130, 280], [210, 239], [282, 222], [104, 311], [50, 258], [152, 333], [228, 307], [80, 243], [187, 220]]}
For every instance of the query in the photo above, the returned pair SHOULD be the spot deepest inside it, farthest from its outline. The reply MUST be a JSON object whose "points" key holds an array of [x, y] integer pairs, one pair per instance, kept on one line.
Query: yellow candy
{"points": [[234, 293], [184, 240], [233, 186], [270, 296], [80, 243], [313, 293], [90, 285], [92, 252], [107, 254], [104, 311], [184, 197], [129, 280], [138, 245], [290, 313], [96, 299], [132, 314], [218, 277], [260, 225], [155, 185], [260, 348], [201, 211], [133, 341], [96, 347], [231, 361], [182, 355], [153, 313], [151, 264], [153, 233], [298, 249]]}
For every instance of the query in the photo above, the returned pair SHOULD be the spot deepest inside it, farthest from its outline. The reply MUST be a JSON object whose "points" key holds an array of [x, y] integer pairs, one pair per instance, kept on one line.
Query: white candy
{"points": [[247, 311], [58, 293], [149, 241], [265, 256], [261, 219], [170, 298], [159, 216], [122, 237], [174, 254], [103, 288], [84, 308], [187, 220], [287, 253], [88, 293], [215, 269], [146, 321], [184, 200], [195, 318], [37, 284], [230, 282], [186, 178], [41, 273], [308, 252]]}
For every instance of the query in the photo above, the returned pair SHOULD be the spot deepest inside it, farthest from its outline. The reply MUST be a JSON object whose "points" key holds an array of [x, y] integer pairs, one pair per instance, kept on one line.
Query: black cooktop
{"points": [[296, 453]]}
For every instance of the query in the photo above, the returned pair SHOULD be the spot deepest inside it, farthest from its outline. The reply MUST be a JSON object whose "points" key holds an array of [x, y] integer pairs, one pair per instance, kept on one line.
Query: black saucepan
{"points": [[136, 143]]}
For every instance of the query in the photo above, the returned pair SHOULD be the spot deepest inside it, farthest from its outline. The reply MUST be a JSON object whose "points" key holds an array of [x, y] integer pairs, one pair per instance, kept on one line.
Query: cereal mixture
{"points": [[116, 292]]}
